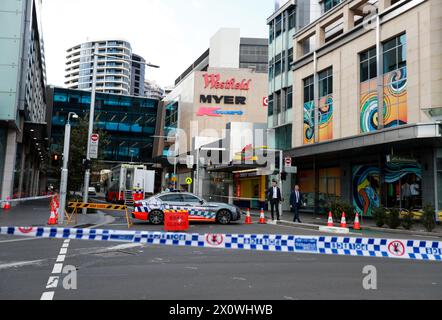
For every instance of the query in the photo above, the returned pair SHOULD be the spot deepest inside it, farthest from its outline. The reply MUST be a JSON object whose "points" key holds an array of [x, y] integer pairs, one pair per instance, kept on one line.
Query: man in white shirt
{"points": [[274, 196]]}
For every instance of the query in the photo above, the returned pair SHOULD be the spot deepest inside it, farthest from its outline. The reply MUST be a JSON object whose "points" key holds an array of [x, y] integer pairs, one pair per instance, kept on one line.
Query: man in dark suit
{"points": [[296, 202], [275, 197]]}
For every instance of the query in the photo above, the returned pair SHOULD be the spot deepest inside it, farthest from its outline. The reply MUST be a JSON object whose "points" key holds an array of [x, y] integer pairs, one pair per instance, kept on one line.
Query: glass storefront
{"points": [[3, 133]]}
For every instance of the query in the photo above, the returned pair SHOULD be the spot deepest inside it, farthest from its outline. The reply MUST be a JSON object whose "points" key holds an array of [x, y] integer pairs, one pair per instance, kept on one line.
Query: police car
{"points": [[154, 208]]}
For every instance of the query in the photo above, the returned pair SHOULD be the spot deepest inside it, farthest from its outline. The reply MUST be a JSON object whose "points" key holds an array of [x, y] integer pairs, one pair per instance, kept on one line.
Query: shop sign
{"points": [[217, 112], [232, 100], [213, 81]]}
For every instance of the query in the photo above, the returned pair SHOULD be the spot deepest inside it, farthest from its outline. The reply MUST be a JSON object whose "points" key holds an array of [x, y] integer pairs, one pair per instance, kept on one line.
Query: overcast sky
{"points": [[170, 33]]}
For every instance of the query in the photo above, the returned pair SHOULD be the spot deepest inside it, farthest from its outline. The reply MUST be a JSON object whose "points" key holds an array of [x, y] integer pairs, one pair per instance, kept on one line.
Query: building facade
{"points": [[23, 131], [130, 122], [212, 93], [289, 16], [138, 73], [365, 121], [153, 91], [118, 69]]}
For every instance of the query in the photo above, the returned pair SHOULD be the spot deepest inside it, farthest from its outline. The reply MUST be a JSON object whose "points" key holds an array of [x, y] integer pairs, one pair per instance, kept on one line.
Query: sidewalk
{"points": [[313, 221], [36, 214]]}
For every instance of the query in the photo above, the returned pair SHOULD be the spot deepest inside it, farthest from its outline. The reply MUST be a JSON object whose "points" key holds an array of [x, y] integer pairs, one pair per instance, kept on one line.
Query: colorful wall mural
{"points": [[326, 118], [395, 98], [366, 189], [369, 107], [395, 102], [367, 183], [309, 122]]}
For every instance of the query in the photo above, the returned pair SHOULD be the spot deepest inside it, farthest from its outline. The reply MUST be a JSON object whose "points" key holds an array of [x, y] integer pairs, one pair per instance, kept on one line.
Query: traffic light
{"points": [[56, 160]]}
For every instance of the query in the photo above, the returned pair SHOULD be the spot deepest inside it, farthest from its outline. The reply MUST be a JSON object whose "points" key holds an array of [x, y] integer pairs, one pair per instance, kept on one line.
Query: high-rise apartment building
{"points": [[118, 69]]}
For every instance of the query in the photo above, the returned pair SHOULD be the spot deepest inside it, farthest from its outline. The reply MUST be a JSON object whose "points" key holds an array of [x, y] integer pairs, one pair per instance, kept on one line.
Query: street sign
{"points": [[189, 181], [93, 146]]}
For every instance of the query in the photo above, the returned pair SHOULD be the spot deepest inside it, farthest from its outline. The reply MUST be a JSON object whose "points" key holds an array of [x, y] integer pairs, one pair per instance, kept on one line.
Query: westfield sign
{"points": [[213, 81]]}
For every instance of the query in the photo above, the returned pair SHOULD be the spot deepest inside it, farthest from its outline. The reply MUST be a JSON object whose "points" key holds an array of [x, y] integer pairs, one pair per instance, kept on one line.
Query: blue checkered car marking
{"points": [[193, 212]]}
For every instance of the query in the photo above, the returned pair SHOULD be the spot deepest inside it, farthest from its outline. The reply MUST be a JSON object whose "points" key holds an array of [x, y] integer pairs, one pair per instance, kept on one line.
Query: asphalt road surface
{"points": [[131, 271]]}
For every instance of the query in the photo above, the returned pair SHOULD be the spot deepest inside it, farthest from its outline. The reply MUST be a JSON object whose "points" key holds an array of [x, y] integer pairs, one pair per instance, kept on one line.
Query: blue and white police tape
{"points": [[28, 199], [344, 246]]}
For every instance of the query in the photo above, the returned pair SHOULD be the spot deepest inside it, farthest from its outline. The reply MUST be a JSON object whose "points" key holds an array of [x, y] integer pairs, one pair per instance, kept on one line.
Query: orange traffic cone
{"points": [[53, 220], [343, 221], [248, 218], [262, 218], [357, 224], [330, 222], [7, 205], [57, 206]]}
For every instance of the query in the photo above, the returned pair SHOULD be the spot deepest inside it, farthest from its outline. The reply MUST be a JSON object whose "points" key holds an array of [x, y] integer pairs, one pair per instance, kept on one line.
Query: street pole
{"points": [[280, 179], [87, 174], [64, 171], [197, 172]]}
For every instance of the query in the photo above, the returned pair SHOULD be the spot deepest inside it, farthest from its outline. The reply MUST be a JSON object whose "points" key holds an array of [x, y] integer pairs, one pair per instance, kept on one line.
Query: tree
{"points": [[78, 149]]}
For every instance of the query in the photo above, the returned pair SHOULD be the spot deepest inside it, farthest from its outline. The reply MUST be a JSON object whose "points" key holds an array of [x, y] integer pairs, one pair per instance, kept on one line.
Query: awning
{"points": [[424, 133]]}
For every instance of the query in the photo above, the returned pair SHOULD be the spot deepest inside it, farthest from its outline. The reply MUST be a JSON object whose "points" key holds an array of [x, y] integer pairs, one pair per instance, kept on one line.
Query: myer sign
{"points": [[93, 146]]}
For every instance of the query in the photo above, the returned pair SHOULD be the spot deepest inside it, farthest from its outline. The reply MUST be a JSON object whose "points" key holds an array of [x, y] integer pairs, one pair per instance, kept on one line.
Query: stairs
{"points": [[129, 199]]}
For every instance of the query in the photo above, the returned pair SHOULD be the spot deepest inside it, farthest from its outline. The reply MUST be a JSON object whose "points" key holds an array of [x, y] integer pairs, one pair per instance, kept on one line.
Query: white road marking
{"points": [[52, 283], [47, 295], [58, 267]]}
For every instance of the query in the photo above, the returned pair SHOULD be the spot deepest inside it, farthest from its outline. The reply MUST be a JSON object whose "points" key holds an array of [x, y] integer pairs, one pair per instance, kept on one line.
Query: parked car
{"points": [[92, 191], [154, 208]]}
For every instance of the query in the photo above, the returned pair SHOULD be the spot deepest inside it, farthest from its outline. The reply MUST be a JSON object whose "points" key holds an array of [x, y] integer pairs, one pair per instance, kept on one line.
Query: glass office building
{"points": [[129, 122]]}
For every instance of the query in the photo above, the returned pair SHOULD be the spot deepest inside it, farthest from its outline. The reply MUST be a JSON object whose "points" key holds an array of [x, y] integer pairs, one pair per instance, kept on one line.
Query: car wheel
{"points": [[156, 217], [224, 217]]}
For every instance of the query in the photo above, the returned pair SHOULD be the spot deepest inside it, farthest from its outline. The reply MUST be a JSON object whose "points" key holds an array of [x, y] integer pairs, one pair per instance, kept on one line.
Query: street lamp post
{"points": [[87, 174], [64, 171]]}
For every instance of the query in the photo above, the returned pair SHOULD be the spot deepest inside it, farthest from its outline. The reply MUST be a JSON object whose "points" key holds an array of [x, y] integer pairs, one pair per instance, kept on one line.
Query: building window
{"points": [[330, 4], [278, 26], [395, 82], [325, 107], [289, 98], [395, 54], [309, 89], [326, 82], [309, 110], [270, 111], [368, 103], [292, 19], [368, 64], [278, 65], [283, 136]]}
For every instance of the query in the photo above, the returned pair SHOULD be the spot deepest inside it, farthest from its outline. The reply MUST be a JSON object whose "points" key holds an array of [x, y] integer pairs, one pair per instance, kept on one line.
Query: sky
{"points": [[168, 33]]}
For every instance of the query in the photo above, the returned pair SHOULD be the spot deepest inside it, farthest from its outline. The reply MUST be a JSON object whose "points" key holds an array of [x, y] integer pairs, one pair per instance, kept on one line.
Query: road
{"points": [[131, 271]]}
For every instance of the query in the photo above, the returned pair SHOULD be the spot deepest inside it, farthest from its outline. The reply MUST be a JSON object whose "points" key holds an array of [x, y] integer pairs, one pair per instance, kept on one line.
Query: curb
{"points": [[384, 230]]}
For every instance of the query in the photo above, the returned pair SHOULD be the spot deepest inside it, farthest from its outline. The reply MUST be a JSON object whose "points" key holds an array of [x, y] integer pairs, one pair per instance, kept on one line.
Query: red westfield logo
{"points": [[214, 82]]}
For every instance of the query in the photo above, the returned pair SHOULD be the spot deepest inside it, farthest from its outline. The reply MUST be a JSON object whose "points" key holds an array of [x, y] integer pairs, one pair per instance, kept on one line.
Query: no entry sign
{"points": [[93, 146]]}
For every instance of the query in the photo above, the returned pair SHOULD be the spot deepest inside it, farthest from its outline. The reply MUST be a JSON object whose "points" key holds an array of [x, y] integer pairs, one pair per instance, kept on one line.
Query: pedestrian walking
{"points": [[296, 202], [274, 196]]}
